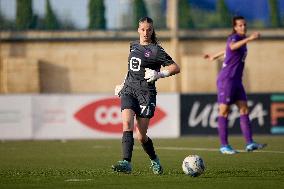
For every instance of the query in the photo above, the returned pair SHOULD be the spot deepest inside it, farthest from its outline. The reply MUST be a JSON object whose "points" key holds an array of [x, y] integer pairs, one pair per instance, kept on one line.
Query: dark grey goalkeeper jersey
{"points": [[151, 56]]}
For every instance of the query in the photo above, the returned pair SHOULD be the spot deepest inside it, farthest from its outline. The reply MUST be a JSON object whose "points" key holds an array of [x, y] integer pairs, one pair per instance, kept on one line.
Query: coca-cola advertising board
{"points": [[97, 116]]}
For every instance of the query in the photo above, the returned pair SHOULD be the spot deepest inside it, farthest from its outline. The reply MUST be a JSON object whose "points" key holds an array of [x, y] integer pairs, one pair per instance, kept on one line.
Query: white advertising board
{"points": [[15, 117], [78, 117], [96, 116]]}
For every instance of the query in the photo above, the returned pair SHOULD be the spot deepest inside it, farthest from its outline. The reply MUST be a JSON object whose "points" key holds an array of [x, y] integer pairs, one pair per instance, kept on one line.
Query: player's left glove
{"points": [[153, 75]]}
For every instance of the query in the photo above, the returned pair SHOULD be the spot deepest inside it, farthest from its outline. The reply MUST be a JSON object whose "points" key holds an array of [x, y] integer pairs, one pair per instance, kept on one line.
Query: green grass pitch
{"points": [[86, 164]]}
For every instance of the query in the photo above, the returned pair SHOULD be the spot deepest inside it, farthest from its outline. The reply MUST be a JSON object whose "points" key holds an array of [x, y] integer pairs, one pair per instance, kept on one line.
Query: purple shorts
{"points": [[230, 91]]}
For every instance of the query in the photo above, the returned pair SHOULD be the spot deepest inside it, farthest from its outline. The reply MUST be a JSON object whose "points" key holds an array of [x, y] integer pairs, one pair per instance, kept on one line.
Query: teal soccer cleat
{"points": [[254, 146], [122, 166], [156, 166], [228, 150]]}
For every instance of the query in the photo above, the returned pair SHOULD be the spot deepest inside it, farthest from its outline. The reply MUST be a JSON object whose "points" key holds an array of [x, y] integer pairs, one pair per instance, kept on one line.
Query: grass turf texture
{"points": [[86, 164]]}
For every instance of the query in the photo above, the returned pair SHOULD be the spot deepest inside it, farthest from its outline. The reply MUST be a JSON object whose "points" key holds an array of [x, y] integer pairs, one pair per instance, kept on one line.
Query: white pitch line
{"points": [[200, 149], [213, 149], [186, 148], [77, 180]]}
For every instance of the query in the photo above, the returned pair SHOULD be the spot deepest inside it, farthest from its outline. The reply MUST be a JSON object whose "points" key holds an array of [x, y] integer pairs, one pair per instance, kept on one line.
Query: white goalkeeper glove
{"points": [[152, 75], [118, 89]]}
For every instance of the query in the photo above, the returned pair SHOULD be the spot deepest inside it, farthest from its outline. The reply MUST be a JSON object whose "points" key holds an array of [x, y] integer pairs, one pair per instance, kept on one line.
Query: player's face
{"points": [[145, 31], [240, 27]]}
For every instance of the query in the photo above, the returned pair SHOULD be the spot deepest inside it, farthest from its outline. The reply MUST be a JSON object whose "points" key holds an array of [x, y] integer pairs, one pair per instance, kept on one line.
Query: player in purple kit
{"points": [[230, 88]]}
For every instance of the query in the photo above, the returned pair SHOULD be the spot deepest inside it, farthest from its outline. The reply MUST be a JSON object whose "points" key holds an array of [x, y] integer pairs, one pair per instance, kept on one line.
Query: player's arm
{"points": [[171, 69], [215, 56], [238, 44]]}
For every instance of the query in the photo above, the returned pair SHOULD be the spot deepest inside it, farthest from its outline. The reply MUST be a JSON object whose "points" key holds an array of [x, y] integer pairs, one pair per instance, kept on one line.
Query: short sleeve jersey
{"points": [[234, 62], [150, 56]]}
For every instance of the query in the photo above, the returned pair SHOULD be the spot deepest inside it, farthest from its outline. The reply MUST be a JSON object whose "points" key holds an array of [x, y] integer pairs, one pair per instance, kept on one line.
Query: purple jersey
{"points": [[233, 65]]}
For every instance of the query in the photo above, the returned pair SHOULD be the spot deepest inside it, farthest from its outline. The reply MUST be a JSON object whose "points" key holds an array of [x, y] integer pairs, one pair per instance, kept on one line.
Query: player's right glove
{"points": [[153, 75], [118, 89]]}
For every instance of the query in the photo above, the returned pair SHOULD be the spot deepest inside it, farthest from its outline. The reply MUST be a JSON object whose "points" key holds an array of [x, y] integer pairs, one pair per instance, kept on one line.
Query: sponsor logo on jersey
{"points": [[147, 53], [135, 64], [105, 115]]}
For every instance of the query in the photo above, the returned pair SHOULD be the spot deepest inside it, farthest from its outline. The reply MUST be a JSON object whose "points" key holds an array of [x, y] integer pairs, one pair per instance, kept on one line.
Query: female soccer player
{"points": [[230, 88], [138, 93]]}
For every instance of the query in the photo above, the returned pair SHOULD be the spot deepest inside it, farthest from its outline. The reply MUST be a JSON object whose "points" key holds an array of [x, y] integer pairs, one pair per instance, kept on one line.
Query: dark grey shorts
{"points": [[142, 102]]}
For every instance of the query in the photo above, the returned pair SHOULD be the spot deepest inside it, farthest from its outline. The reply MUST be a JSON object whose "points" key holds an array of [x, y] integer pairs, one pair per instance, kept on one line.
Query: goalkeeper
{"points": [[138, 93]]}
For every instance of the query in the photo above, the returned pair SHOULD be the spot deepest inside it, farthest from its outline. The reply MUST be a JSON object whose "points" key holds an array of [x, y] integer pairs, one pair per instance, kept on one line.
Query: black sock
{"points": [[149, 149], [127, 145]]}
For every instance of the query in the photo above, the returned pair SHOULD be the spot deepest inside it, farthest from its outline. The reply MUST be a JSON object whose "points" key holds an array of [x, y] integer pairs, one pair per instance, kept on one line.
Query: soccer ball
{"points": [[193, 165]]}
